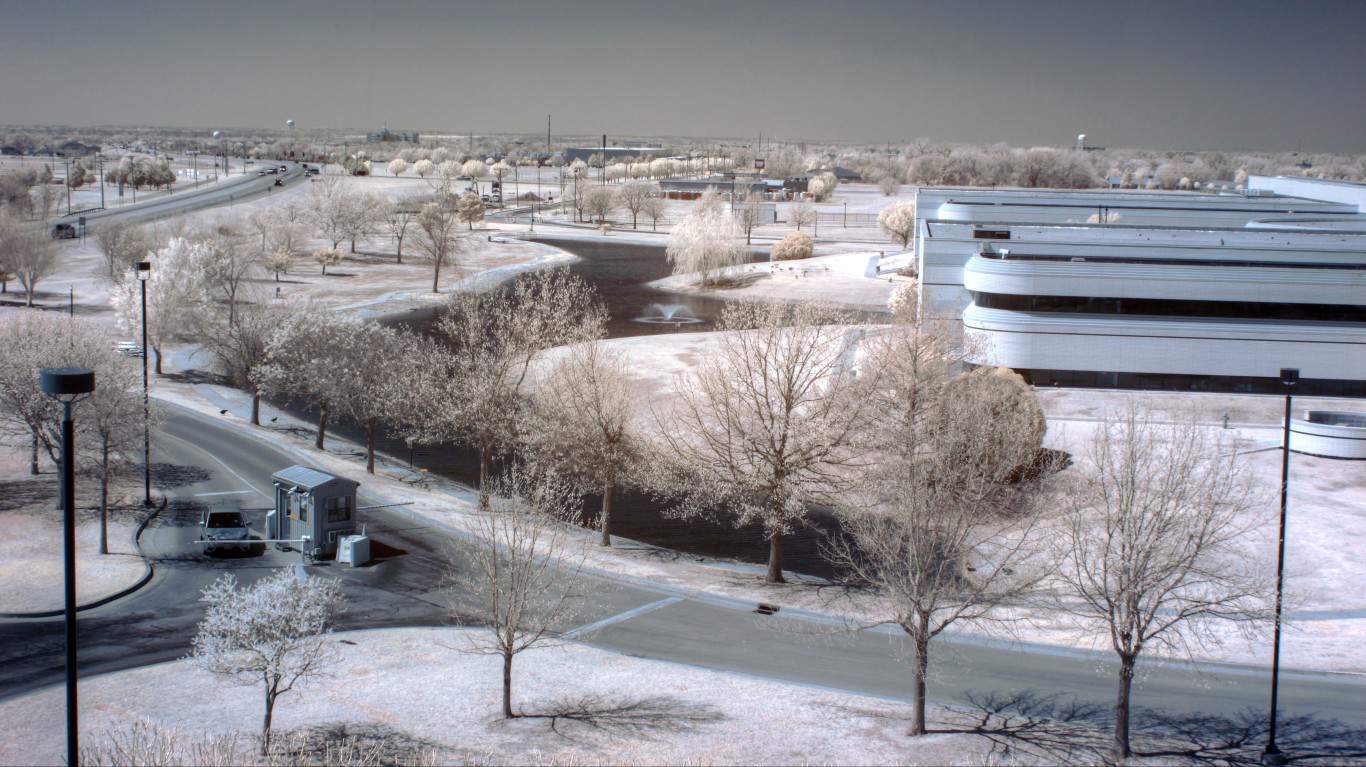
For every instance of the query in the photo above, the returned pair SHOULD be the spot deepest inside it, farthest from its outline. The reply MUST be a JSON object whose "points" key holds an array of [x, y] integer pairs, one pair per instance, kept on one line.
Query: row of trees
{"points": [[110, 427], [950, 511]]}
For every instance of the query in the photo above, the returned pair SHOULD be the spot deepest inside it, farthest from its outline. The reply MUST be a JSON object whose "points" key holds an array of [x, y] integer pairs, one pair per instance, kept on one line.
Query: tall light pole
{"points": [[1273, 756], [69, 386], [99, 160], [144, 274]]}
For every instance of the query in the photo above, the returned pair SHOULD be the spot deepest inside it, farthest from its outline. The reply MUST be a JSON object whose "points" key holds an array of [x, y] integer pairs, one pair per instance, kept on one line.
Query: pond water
{"points": [[619, 273]]}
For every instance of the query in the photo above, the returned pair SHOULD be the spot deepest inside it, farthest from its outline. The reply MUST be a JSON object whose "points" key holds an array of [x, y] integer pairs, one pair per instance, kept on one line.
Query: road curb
{"points": [[147, 573]]}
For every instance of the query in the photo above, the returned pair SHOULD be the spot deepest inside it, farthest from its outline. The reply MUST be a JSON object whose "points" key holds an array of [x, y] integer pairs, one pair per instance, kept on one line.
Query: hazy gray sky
{"points": [[1194, 74]]}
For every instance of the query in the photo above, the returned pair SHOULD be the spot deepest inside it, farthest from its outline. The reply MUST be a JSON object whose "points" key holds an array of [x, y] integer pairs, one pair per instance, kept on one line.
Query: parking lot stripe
{"points": [[619, 617]]}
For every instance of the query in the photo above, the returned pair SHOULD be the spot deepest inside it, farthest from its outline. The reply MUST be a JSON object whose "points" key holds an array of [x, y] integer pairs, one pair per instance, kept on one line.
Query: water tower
{"points": [[1081, 141], [290, 124]]}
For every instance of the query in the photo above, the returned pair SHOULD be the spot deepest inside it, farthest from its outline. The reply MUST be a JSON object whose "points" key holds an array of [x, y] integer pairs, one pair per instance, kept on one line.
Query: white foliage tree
{"points": [[707, 241], [273, 634], [898, 221]]}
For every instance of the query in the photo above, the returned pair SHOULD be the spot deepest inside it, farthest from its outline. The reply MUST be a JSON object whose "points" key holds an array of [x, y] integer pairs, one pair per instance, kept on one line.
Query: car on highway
{"points": [[63, 231], [279, 182], [223, 527]]}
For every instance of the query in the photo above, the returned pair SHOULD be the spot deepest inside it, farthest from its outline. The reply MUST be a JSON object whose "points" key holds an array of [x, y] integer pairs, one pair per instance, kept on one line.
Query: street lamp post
{"points": [[144, 274], [69, 386], [1273, 756]]}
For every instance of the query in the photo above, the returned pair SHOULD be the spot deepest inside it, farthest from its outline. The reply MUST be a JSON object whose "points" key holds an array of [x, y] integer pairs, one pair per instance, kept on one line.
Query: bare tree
{"points": [[802, 214], [224, 264], [273, 634], [472, 382], [587, 421], [112, 418], [653, 207], [122, 244], [330, 207], [599, 203], [765, 426], [518, 570], [301, 361], [363, 386], [27, 252], [1150, 548], [398, 216], [363, 213], [239, 345], [942, 524], [437, 237], [749, 213], [633, 197]]}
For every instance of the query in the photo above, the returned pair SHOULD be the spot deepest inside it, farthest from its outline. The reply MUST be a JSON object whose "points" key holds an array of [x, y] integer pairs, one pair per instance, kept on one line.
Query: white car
{"points": [[223, 527]]}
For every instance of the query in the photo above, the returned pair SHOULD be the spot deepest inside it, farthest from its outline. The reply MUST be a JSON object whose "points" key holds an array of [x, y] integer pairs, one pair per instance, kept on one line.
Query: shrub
{"points": [[792, 247]]}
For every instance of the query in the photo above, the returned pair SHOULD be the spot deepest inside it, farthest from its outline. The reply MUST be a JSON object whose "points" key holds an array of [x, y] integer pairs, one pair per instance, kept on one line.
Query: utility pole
{"points": [[99, 161], [67, 160]]}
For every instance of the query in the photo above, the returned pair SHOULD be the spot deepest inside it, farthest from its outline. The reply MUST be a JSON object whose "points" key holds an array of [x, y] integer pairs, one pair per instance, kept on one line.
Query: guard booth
{"points": [[313, 507]]}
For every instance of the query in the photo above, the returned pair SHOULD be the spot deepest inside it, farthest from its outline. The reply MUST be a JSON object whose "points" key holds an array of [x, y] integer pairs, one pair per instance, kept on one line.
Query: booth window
{"points": [[338, 509]]}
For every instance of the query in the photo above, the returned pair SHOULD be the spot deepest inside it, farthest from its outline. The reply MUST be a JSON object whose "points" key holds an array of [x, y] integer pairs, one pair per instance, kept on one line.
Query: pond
{"points": [[619, 273]]}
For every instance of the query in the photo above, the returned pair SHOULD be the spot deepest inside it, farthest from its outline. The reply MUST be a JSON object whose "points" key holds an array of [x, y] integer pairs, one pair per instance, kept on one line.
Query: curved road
{"points": [[226, 192], [405, 587]]}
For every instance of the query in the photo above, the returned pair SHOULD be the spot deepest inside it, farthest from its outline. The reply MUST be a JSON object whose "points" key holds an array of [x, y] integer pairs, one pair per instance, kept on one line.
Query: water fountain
{"points": [[668, 314]]}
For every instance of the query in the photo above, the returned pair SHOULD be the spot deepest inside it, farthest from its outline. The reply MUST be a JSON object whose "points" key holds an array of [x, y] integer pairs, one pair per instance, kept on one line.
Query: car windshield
{"points": [[220, 519]]}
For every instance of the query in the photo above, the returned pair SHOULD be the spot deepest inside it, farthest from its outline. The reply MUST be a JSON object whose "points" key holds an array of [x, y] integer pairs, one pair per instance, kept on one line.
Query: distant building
{"points": [[384, 134], [692, 188]]}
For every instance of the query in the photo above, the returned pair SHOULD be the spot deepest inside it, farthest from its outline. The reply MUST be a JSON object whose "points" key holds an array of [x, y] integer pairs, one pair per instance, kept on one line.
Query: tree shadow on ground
{"points": [[1055, 729], [169, 476], [622, 716], [24, 493]]}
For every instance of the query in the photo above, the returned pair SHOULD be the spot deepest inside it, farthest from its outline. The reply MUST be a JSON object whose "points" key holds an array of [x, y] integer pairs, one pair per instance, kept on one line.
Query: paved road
{"points": [[406, 588], [226, 192]]}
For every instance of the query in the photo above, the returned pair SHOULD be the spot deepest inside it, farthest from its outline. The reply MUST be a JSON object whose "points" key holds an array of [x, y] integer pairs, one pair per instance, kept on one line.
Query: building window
{"points": [[990, 234], [1162, 307], [339, 509]]}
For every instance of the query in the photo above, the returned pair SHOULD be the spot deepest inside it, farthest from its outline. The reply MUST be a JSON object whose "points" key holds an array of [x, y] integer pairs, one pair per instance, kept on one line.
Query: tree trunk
{"points": [[353, 244], [370, 446], [400, 249], [605, 522], [507, 686], [156, 350], [1126, 680], [104, 498], [775, 558], [322, 426], [436, 274], [265, 722], [256, 407], [28, 297], [485, 454], [33, 457], [919, 672]]}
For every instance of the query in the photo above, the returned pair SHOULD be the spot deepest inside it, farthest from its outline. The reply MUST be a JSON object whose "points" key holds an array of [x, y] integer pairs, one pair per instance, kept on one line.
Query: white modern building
{"points": [[1188, 291]]}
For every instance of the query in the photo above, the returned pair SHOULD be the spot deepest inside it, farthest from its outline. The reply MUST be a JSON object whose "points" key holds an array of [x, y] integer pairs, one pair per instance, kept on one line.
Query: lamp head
{"points": [[144, 270], [67, 384], [1290, 376]]}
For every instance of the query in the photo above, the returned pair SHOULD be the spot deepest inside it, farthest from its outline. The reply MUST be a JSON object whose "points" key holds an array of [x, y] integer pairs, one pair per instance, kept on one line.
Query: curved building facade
{"points": [[1221, 307]]}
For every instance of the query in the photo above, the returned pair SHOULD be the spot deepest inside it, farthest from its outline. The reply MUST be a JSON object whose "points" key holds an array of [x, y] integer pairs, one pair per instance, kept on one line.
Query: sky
{"points": [[1196, 74]]}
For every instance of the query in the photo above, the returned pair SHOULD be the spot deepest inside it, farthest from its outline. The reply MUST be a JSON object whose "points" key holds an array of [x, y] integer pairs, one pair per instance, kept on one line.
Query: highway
{"points": [[205, 459], [226, 192]]}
